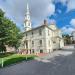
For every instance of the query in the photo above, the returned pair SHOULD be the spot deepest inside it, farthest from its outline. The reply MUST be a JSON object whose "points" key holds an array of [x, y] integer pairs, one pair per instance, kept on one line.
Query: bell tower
{"points": [[27, 20]]}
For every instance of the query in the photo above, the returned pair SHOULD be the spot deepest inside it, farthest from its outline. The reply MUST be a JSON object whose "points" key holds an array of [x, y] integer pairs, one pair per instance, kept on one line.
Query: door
{"points": [[41, 51]]}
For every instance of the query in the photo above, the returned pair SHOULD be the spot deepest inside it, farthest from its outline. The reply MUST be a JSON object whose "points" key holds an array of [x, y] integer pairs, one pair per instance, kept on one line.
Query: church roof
{"points": [[39, 28]]}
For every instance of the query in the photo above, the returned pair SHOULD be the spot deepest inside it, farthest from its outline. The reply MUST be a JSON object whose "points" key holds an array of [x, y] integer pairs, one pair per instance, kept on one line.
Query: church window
{"points": [[40, 42], [32, 43], [29, 24], [54, 42], [40, 32], [32, 33]]}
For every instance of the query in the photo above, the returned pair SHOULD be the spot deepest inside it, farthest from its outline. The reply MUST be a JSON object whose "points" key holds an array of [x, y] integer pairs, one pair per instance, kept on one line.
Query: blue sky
{"points": [[62, 11], [64, 18]]}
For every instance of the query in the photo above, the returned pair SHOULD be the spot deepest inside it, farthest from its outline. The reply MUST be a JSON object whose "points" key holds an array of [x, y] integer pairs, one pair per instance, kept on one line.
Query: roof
{"points": [[38, 28]]}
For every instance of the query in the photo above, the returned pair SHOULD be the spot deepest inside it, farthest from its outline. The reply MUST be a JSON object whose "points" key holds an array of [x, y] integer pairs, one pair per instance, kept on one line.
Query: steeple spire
{"points": [[27, 21], [27, 6], [28, 9]]}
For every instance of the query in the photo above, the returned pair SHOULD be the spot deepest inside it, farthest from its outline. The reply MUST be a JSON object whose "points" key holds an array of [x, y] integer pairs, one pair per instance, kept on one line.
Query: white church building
{"points": [[42, 39]]}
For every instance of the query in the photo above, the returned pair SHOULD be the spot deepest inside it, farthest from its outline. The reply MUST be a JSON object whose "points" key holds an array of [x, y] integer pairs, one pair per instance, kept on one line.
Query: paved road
{"points": [[57, 63]]}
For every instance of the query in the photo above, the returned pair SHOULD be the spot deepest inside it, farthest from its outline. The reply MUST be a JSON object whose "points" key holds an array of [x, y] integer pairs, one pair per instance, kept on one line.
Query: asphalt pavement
{"points": [[60, 62]]}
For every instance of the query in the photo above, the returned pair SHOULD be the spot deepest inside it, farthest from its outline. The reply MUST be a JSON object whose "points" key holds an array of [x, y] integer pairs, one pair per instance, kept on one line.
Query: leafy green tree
{"points": [[9, 32], [67, 39]]}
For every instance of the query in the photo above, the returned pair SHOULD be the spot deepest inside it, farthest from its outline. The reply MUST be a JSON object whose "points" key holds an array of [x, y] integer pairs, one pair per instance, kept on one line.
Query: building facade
{"points": [[43, 39]]}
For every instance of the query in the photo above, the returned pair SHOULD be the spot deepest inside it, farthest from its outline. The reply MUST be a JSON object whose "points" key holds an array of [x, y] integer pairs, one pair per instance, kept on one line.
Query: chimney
{"points": [[45, 22]]}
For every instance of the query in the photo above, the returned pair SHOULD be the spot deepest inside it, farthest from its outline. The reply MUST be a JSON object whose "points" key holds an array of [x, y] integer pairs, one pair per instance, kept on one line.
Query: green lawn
{"points": [[11, 58]]}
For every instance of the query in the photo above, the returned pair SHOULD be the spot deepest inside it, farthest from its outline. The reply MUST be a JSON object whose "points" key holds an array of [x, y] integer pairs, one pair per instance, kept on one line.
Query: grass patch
{"points": [[14, 58]]}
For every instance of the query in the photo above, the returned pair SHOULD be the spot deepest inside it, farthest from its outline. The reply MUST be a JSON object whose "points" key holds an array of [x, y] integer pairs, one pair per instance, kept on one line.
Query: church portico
{"points": [[27, 46]]}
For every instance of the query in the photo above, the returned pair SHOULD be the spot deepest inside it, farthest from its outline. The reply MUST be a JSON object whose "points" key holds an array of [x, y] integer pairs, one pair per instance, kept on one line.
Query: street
{"points": [[60, 62]]}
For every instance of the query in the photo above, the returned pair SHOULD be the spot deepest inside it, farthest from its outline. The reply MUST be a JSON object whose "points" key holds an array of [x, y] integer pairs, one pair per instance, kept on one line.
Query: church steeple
{"points": [[27, 21]]}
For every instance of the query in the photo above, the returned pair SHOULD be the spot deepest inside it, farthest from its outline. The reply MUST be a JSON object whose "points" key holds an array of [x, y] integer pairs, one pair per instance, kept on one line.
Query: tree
{"points": [[67, 39], [9, 32]]}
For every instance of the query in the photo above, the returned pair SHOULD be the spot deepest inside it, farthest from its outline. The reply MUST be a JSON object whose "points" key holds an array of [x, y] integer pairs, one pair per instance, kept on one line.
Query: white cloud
{"points": [[51, 9], [62, 1], [71, 5], [67, 29], [52, 21], [72, 22], [16, 9]]}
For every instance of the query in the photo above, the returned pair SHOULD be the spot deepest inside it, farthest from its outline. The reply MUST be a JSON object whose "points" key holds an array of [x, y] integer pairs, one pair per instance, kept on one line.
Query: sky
{"points": [[60, 11]]}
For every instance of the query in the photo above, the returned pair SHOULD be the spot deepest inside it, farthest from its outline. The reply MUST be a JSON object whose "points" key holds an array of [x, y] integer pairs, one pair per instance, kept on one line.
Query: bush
{"points": [[13, 60]]}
